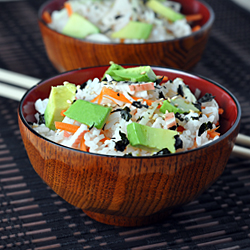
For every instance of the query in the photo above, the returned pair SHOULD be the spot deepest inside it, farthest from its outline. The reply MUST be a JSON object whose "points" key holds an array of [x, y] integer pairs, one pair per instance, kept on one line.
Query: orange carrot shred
{"points": [[95, 99], [193, 17], [68, 8], [165, 78], [149, 102], [115, 95], [66, 134], [66, 126], [46, 17], [180, 129], [62, 112], [212, 132], [83, 146], [196, 28], [221, 111]]}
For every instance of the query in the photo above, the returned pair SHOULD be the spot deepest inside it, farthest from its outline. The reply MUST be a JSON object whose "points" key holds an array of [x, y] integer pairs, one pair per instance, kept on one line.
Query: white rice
{"points": [[103, 14], [150, 116]]}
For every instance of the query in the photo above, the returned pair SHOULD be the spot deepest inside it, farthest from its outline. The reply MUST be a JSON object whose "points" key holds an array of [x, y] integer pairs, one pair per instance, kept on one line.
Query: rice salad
{"points": [[131, 107], [122, 21]]}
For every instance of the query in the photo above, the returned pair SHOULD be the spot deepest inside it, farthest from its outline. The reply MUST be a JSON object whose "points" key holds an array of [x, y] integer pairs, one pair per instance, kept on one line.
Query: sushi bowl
{"points": [[129, 191], [66, 52]]}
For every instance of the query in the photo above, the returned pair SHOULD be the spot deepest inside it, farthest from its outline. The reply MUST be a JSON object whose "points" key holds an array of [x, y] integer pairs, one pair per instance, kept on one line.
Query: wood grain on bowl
{"points": [[129, 191], [67, 53]]}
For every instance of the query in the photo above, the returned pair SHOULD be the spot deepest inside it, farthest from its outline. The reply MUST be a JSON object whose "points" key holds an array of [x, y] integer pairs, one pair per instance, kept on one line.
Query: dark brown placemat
{"points": [[32, 216]]}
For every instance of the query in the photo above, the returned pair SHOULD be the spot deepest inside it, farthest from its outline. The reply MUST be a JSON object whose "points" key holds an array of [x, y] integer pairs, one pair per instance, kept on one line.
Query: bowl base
{"points": [[124, 221]]}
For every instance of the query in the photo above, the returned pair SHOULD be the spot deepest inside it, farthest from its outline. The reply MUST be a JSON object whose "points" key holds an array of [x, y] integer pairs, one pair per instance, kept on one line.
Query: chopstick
{"points": [[20, 83], [17, 79], [240, 151]]}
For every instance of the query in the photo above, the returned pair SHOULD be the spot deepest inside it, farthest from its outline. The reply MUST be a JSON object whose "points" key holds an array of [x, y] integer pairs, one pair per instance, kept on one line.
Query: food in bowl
{"points": [[122, 21], [129, 112]]}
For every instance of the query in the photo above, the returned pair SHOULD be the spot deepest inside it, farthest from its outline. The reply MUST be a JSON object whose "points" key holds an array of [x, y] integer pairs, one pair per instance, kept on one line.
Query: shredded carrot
{"points": [[180, 129], [66, 134], [68, 7], [62, 112], [95, 99], [194, 145], [104, 139], [212, 133], [165, 78], [66, 126], [46, 17], [111, 99], [111, 93], [221, 111], [149, 102], [196, 28], [207, 115], [83, 146], [193, 17]]}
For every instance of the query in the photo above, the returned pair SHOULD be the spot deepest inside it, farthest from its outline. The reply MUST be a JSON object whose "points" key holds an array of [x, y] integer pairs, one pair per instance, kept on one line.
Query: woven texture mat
{"points": [[32, 216]]}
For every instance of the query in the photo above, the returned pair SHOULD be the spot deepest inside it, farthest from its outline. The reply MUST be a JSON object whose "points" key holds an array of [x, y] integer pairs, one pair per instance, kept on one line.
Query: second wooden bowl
{"points": [[67, 53]]}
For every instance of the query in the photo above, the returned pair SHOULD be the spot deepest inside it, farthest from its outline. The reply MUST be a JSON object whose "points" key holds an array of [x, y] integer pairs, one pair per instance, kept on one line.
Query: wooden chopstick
{"points": [[17, 79], [240, 151], [19, 84], [243, 140]]}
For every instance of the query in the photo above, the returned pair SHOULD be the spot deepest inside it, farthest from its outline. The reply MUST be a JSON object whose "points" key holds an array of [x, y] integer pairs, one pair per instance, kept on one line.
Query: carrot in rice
{"points": [[46, 17], [83, 146], [212, 132], [62, 112], [68, 7], [66, 126], [221, 111], [193, 17], [196, 28]]}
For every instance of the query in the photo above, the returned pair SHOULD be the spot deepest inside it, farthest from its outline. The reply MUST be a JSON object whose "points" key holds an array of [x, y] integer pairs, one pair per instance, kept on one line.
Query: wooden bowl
{"points": [[67, 53], [129, 191]]}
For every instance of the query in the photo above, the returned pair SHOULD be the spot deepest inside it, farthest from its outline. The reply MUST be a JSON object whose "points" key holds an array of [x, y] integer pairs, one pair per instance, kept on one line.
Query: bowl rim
{"points": [[208, 24], [222, 137]]}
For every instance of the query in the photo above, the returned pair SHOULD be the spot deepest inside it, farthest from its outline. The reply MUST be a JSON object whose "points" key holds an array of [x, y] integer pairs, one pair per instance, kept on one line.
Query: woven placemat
{"points": [[32, 216]]}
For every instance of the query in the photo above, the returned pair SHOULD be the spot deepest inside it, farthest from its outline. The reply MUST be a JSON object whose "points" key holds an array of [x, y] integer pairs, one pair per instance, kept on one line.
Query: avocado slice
{"points": [[88, 113], [134, 30], [79, 27], [164, 11], [178, 104], [151, 139], [60, 98], [110, 72], [136, 74]]}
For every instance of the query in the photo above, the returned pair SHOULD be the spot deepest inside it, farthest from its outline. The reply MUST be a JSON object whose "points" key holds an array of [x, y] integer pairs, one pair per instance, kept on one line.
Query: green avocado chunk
{"points": [[88, 113], [151, 139], [136, 74], [178, 104], [60, 98], [110, 72], [167, 12], [79, 27], [134, 30]]}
